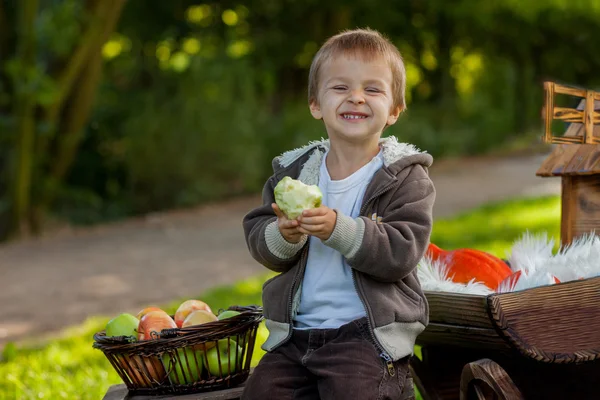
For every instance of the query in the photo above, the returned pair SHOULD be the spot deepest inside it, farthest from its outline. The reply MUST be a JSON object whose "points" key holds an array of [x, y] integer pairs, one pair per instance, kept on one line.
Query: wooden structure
{"points": [[539, 343], [576, 159]]}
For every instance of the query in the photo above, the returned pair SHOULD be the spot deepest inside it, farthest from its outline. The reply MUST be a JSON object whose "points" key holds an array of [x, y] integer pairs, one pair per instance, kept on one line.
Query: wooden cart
{"points": [[540, 343]]}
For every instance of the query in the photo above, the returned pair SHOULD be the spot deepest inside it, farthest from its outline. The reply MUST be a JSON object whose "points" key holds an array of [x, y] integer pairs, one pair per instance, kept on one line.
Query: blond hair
{"points": [[367, 44]]}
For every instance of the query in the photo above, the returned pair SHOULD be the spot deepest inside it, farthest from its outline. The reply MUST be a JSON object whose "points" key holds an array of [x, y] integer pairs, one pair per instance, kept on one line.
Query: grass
{"points": [[69, 368]]}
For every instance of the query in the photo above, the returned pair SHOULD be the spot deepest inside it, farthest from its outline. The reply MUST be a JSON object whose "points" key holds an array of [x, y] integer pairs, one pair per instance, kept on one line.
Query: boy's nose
{"points": [[356, 97]]}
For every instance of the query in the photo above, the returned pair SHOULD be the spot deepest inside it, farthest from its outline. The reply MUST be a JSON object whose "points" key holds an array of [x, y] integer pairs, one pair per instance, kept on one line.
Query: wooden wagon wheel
{"points": [[485, 380]]}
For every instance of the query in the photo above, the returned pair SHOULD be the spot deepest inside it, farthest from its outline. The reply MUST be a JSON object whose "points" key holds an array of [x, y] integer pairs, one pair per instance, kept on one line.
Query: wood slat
{"points": [[573, 115], [458, 309], [579, 158], [589, 116], [568, 205], [461, 336], [556, 161], [556, 323]]}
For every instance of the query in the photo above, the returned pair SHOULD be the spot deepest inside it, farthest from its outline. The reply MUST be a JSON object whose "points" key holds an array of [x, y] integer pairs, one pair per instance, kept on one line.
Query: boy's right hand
{"points": [[288, 228]]}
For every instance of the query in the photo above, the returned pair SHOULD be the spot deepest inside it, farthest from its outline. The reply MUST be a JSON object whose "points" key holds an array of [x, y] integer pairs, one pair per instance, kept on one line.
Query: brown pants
{"points": [[329, 364]]}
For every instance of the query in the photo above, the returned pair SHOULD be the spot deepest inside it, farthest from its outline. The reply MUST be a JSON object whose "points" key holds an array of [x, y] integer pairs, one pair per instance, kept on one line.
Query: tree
{"points": [[51, 92]]}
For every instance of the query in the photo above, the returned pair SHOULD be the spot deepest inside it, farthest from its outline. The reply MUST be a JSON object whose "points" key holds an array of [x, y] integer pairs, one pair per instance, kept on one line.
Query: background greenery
{"points": [[69, 368], [115, 108]]}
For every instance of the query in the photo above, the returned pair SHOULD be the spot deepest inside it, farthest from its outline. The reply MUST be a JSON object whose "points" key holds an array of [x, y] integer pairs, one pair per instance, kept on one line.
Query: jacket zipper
{"points": [[388, 360], [291, 298]]}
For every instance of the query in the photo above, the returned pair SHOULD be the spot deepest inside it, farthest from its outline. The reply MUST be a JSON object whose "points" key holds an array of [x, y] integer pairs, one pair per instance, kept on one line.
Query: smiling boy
{"points": [[346, 307]]}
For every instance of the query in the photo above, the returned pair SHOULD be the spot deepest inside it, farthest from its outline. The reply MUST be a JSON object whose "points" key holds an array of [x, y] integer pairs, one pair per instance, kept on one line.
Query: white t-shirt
{"points": [[328, 298]]}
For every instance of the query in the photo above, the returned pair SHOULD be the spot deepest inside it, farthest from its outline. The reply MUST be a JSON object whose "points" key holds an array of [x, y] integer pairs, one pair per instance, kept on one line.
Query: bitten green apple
{"points": [[122, 325], [227, 357]]}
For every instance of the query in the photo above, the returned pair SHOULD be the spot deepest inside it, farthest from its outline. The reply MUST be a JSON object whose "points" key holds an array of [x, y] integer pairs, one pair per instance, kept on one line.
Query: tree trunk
{"points": [[77, 108], [25, 119]]}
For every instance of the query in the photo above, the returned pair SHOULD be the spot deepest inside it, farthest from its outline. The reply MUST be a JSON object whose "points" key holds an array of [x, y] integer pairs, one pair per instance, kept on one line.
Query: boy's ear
{"points": [[394, 114], [315, 109]]}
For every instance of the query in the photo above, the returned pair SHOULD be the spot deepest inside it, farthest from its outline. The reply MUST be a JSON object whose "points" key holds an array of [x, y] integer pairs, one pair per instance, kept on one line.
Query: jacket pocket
{"points": [[409, 293]]}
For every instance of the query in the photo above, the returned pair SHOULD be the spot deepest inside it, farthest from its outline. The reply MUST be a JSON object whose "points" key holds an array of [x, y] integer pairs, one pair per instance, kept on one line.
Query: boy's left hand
{"points": [[318, 222]]}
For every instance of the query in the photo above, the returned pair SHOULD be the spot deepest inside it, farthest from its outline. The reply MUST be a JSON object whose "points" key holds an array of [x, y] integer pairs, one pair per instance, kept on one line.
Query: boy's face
{"points": [[355, 98]]}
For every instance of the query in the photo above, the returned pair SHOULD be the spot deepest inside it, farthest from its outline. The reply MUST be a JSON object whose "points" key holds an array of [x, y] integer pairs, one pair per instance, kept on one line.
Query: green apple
{"points": [[187, 369], [226, 355], [227, 314], [122, 325]]}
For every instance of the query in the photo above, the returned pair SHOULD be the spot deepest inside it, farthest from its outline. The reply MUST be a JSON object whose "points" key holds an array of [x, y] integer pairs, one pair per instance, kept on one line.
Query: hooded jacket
{"points": [[382, 246]]}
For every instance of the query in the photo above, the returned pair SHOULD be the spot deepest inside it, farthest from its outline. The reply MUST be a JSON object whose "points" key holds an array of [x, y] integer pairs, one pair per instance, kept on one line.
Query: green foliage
{"points": [[198, 97], [68, 367]]}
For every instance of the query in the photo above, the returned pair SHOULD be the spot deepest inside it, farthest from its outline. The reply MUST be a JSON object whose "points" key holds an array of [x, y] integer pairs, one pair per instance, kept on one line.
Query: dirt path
{"points": [[56, 281]]}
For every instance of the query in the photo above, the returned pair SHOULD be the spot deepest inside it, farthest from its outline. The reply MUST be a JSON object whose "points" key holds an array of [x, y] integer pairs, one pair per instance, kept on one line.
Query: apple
{"points": [[122, 325], [152, 323], [198, 317], [152, 372], [147, 310], [228, 314], [187, 307], [187, 368], [227, 356]]}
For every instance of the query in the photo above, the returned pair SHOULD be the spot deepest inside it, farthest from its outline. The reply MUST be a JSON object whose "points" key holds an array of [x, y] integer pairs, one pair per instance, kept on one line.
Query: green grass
{"points": [[69, 368]]}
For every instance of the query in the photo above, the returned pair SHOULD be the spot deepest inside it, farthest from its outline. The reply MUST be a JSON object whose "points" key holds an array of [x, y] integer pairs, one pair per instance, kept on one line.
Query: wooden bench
{"points": [[120, 392]]}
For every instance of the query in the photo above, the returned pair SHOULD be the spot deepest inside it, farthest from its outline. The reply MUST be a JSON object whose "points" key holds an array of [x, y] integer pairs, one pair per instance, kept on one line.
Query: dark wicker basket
{"points": [[178, 361]]}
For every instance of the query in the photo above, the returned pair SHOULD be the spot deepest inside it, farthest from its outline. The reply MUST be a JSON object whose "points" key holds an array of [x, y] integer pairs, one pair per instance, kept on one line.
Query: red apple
{"points": [[152, 323], [146, 311], [187, 307]]}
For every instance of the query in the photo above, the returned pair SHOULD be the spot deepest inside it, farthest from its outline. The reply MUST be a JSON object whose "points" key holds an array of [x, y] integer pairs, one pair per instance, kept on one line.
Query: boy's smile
{"points": [[355, 98]]}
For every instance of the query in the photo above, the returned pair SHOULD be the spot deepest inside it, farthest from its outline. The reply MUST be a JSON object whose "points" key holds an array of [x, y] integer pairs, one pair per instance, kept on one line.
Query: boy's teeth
{"points": [[350, 116]]}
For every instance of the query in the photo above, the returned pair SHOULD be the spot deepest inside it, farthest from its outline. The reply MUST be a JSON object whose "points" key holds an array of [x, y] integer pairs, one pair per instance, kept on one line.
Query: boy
{"points": [[344, 312]]}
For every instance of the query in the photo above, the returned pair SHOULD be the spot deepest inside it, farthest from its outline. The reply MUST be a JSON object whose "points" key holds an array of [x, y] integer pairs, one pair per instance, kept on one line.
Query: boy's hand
{"points": [[288, 228], [318, 222]]}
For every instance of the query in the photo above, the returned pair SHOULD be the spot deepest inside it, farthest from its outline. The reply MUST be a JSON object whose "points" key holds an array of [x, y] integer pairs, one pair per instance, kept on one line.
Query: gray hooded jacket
{"points": [[383, 246]]}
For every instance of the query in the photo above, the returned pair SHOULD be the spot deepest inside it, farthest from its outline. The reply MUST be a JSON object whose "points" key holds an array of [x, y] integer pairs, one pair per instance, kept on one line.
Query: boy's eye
{"points": [[339, 88], [373, 90]]}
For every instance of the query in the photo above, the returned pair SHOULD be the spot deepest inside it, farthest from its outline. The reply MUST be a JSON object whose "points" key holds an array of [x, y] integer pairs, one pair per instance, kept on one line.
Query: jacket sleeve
{"points": [[389, 250], [265, 242]]}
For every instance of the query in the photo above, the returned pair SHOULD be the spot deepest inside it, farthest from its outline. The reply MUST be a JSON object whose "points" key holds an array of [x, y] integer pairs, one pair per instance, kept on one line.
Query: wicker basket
{"points": [[179, 360]]}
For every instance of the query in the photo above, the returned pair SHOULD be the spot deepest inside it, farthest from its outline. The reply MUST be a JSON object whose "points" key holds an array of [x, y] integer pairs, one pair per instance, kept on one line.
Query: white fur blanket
{"points": [[534, 257]]}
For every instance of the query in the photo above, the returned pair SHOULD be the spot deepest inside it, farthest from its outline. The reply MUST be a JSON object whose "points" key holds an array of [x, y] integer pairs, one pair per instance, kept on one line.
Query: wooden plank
{"points": [[458, 309], [586, 205], [588, 118], [567, 210], [120, 392], [570, 90], [578, 159], [552, 321], [549, 107], [574, 116], [461, 336], [591, 164], [556, 162]]}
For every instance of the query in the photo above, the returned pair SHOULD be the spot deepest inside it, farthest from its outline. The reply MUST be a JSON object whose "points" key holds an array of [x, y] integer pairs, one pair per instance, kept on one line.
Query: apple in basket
{"points": [[186, 308], [186, 367], [225, 354], [147, 310], [144, 371], [199, 317], [153, 323], [122, 325]]}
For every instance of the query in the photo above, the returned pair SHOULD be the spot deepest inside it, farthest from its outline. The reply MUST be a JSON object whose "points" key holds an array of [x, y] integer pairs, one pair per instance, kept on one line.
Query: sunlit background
{"points": [[114, 111]]}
